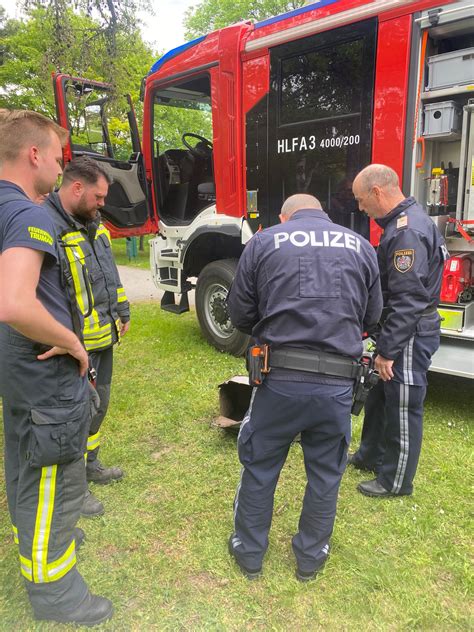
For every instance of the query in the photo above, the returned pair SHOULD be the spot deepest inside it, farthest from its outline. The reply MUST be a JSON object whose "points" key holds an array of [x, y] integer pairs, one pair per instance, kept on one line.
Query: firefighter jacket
{"points": [[308, 284], [411, 256], [91, 275]]}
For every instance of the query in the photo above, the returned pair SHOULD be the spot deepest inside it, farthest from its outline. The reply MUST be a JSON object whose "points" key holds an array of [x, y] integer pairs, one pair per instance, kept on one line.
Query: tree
{"points": [[210, 15], [30, 52]]}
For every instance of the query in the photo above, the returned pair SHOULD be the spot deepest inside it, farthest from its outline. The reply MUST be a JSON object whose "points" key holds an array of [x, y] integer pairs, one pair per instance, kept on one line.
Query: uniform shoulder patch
{"points": [[402, 221], [403, 260]]}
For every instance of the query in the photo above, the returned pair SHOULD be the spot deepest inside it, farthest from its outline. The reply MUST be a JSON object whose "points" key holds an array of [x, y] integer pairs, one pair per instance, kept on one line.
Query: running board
{"points": [[169, 304]]}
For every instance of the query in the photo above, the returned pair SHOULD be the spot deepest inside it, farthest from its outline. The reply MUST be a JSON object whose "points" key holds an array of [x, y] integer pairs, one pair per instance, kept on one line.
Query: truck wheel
{"points": [[211, 294]]}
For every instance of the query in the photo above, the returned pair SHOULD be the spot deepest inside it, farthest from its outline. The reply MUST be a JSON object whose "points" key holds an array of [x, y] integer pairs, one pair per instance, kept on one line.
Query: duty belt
{"points": [[314, 362]]}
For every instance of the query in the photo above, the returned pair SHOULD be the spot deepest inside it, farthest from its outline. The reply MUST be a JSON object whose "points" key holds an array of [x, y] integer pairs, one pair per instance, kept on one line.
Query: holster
{"points": [[257, 364], [367, 379]]}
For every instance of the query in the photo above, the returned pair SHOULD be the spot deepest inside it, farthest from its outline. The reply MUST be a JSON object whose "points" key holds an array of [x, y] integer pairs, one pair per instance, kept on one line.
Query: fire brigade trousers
{"points": [[321, 413], [102, 361], [393, 422], [46, 413]]}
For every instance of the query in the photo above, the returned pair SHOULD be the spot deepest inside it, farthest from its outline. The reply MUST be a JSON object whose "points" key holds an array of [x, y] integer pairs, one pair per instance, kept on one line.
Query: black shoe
{"points": [[250, 573], [79, 536], [307, 576], [376, 490], [91, 506], [97, 473], [359, 465], [93, 610]]}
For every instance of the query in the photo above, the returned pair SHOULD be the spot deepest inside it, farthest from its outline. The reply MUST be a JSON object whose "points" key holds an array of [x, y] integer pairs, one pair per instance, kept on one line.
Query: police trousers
{"points": [[321, 413], [102, 361], [393, 423], [46, 414]]}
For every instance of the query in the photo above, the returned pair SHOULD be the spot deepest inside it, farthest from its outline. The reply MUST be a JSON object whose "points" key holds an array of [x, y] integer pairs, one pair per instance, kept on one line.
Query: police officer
{"points": [[46, 404], [308, 288], [411, 255], [100, 297]]}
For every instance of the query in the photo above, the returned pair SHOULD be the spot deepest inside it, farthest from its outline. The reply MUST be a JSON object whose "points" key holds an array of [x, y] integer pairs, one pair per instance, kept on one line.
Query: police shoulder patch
{"points": [[403, 260]]}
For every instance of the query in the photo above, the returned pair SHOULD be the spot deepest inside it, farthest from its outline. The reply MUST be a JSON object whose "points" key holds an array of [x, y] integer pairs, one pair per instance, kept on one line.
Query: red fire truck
{"points": [[296, 103]]}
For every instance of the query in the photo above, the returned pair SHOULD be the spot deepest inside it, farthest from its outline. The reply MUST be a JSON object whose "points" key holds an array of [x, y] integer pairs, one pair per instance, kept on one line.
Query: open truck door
{"points": [[103, 125]]}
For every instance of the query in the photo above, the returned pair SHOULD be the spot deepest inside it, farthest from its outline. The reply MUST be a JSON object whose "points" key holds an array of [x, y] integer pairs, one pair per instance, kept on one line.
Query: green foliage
{"points": [[31, 51], [210, 15]]}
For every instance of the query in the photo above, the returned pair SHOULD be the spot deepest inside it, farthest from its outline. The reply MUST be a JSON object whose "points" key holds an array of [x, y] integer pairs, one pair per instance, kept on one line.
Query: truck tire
{"points": [[211, 293]]}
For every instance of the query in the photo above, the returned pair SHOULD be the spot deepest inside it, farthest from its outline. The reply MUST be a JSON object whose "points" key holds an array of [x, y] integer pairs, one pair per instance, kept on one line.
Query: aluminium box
{"points": [[451, 69], [442, 120]]}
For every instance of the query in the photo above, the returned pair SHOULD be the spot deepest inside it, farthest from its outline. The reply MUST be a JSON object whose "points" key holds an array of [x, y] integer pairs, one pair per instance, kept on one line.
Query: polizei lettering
{"points": [[322, 239]]}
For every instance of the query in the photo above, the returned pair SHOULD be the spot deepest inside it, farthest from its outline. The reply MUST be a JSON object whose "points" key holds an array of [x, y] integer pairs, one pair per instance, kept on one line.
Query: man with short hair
{"points": [[411, 256], [95, 283], [45, 393], [308, 288]]}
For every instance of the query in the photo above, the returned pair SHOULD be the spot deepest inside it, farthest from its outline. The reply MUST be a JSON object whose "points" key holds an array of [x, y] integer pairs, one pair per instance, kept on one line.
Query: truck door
{"points": [[319, 117], [102, 125]]}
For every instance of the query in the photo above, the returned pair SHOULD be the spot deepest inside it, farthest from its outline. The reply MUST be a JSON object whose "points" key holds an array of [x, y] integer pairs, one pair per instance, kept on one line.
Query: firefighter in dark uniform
{"points": [[309, 289], [46, 401], [100, 296], [411, 256]]}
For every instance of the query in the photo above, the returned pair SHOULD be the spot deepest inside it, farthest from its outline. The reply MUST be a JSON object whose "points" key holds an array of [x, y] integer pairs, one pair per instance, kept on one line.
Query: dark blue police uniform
{"points": [[46, 412], [411, 255], [307, 284]]}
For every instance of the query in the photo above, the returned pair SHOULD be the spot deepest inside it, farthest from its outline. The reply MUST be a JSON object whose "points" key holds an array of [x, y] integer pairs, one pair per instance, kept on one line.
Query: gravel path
{"points": [[139, 285]]}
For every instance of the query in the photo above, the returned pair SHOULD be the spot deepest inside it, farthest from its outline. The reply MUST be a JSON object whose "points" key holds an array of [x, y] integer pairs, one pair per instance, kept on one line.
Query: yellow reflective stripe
{"points": [[121, 296], [61, 566], [105, 342], [73, 237], [25, 567], [44, 514], [93, 441], [75, 267], [96, 329], [103, 231], [15, 534]]}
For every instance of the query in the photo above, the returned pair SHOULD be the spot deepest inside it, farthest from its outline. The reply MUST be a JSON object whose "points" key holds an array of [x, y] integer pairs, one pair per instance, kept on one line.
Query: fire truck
{"points": [[296, 103]]}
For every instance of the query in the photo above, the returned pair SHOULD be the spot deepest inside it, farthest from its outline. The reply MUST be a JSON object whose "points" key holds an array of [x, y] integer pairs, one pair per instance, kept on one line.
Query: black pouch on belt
{"points": [[257, 364]]}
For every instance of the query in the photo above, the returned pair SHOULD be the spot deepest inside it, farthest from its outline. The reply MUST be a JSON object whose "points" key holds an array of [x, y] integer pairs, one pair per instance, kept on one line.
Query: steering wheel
{"points": [[202, 150]]}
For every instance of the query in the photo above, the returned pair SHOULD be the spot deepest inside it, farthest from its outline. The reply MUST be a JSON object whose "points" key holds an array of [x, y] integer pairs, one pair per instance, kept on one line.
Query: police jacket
{"points": [[308, 284], [91, 274], [411, 256]]}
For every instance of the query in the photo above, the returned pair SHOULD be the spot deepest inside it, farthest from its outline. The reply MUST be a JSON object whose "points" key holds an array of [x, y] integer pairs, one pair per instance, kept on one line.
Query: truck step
{"points": [[169, 305]]}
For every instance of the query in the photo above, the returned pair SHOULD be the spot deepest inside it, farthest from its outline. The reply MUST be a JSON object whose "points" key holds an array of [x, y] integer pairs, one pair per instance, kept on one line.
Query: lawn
{"points": [[122, 258], [160, 551]]}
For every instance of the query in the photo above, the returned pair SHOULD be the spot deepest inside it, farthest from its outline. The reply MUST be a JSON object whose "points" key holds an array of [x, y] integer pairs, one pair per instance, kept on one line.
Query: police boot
{"points": [[91, 611], [91, 506], [97, 473]]}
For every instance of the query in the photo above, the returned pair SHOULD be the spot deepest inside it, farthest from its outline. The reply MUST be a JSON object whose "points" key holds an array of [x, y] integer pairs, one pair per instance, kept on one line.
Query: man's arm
{"points": [[407, 266], [243, 298], [20, 270]]}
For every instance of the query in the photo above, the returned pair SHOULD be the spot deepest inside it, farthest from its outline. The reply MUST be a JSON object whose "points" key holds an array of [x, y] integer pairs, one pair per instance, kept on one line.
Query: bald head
{"points": [[377, 190], [297, 203], [378, 175]]}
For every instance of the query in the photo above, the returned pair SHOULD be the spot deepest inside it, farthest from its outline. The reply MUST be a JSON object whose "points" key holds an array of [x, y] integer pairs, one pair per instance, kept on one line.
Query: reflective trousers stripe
{"points": [[93, 441], [38, 570], [15, 534]]}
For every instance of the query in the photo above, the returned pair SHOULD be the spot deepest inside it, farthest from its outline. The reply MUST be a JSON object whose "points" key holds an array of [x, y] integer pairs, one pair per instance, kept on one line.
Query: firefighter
{"points": [[308, 288], [411, 255], [46, 402], [104, 308]]}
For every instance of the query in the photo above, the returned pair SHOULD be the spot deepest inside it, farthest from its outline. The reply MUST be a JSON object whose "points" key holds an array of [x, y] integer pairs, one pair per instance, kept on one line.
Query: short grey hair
{"points": [[299, 201], [378, 175]]}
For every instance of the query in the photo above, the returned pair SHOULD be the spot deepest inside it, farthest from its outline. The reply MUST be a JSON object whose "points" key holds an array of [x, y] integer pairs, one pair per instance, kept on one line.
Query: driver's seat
{"points": [[207, 192]]}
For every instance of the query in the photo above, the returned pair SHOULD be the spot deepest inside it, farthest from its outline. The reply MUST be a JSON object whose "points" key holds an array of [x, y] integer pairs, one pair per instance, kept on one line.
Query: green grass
{"points": [[160, 552], [142, 260]]}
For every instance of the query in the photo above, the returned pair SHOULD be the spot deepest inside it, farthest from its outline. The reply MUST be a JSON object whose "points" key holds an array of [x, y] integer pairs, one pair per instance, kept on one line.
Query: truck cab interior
{"points": [[183, 162]]}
